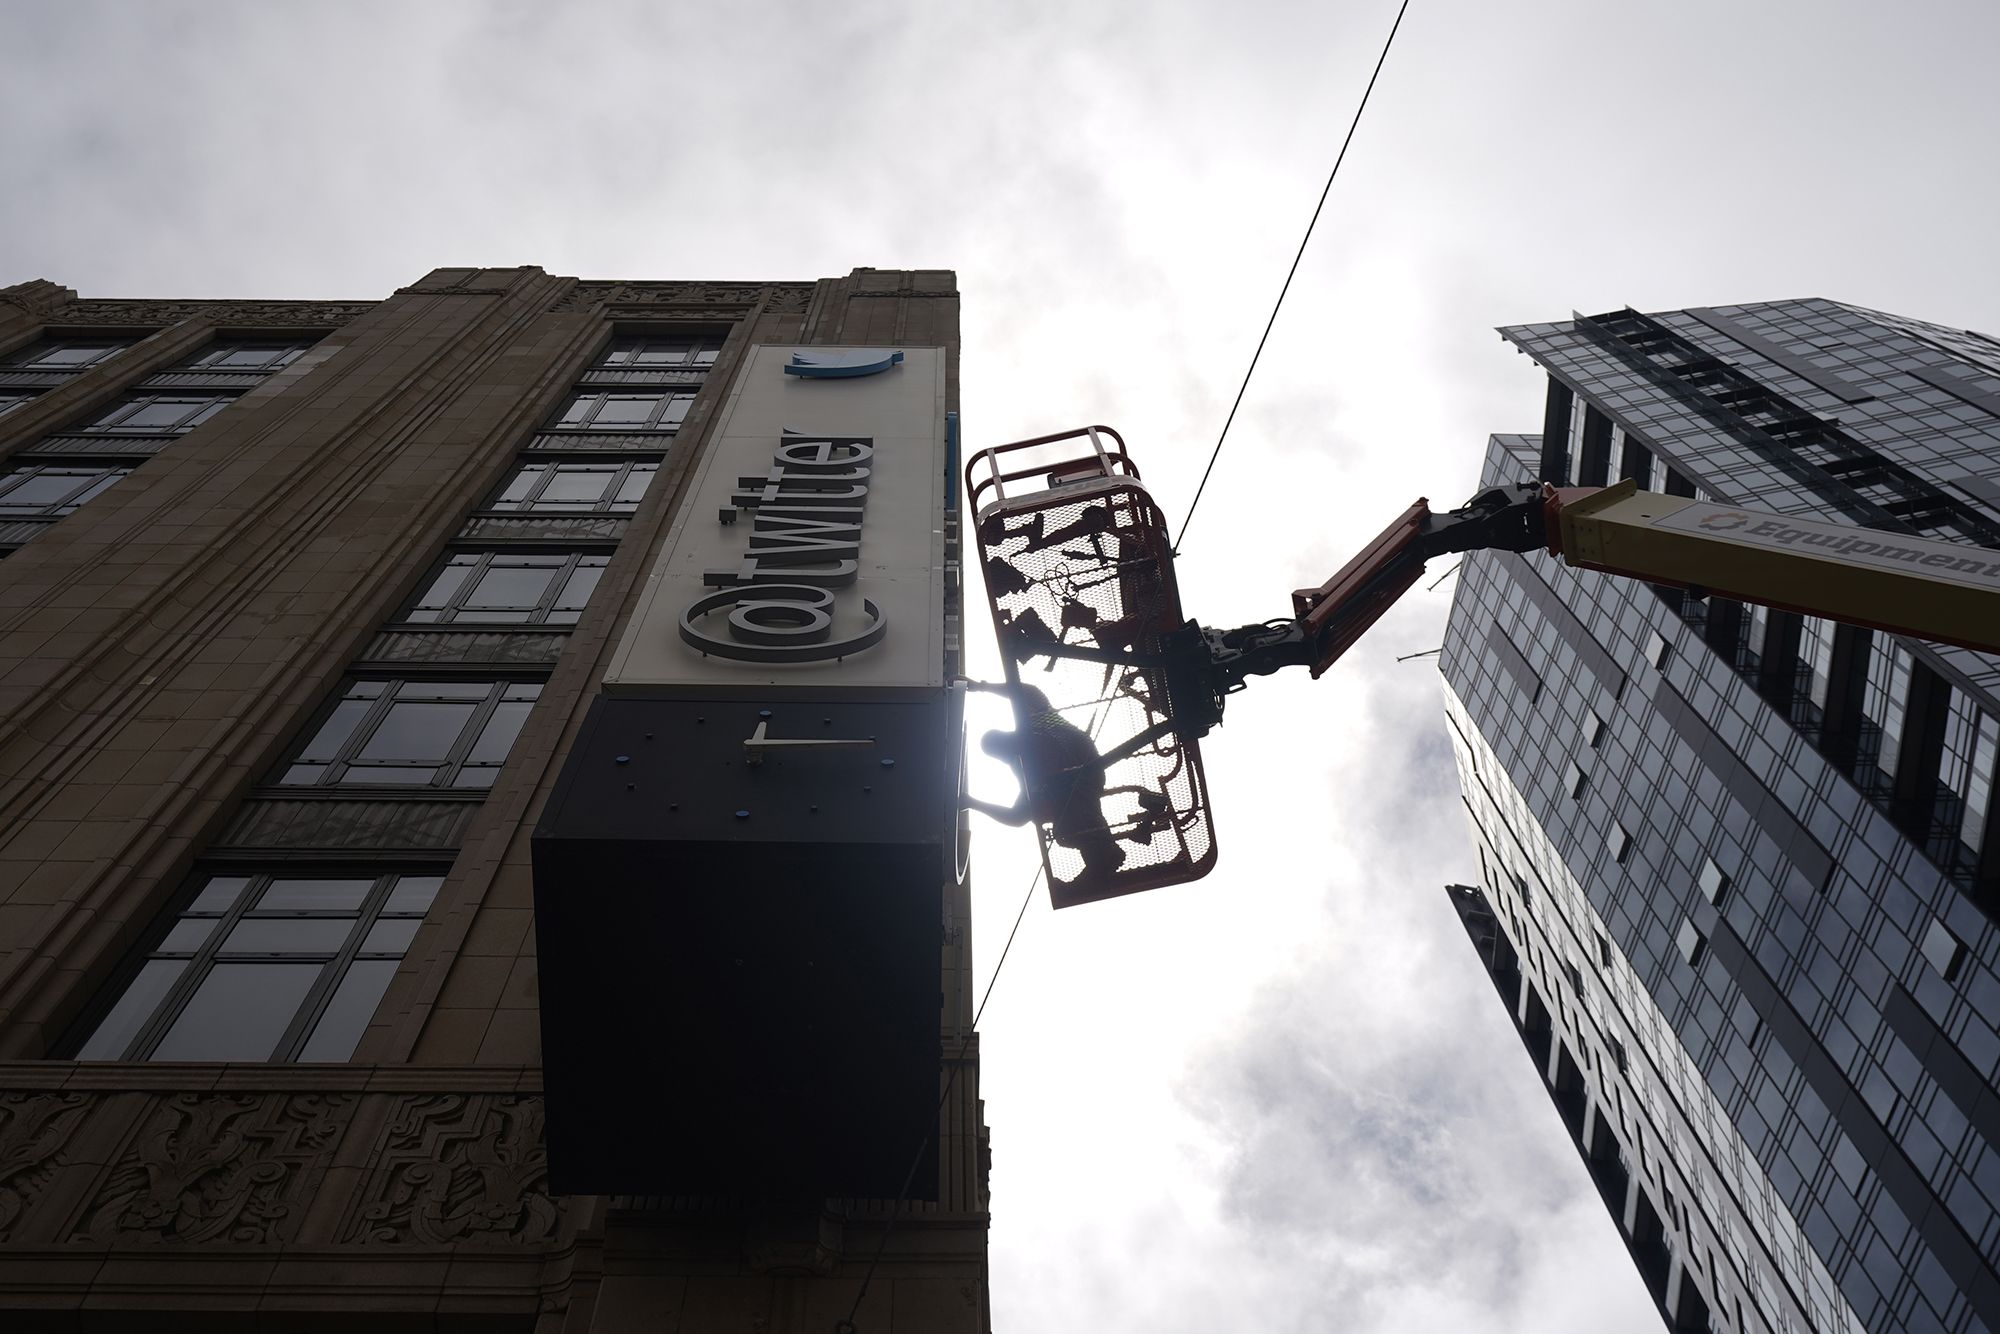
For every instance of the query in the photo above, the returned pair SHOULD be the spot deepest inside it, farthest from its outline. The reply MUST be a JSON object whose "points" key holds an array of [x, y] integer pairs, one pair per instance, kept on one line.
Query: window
{"points": [[1691, 942], [1886, 695], [246, 357], [1966, 766], [50, 492], [500, 587], [636, 353], [8, 402], [625, 412], [414, 734], [1713, 883], [158, 414], [1816, 654], [1618, 841], [1595, 729], [1657, 649], [267, 966], [1575, 780], [66, 354], [1943, 950], [576, 488], [1604, 955]]}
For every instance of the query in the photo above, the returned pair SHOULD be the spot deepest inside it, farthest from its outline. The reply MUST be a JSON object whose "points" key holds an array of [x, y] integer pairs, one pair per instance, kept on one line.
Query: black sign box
{"points": [[739, 946]]}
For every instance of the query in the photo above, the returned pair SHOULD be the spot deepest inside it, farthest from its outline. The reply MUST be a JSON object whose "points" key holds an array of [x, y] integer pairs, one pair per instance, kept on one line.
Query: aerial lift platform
{"points": [[1114, 687]]}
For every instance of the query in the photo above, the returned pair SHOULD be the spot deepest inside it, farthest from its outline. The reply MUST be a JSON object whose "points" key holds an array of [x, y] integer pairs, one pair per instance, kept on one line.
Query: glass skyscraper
{"points": [[1737, 875]]}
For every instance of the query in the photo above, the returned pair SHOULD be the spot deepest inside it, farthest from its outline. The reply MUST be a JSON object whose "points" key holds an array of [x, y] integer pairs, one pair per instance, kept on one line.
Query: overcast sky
{"points": [[1285, 1098]]}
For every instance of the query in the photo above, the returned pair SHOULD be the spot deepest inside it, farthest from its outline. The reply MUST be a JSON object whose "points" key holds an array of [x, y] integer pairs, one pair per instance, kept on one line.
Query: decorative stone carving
{"points": [[355, 822], [258, 314], [465, 1168], [790, 299], [648, 298], [510, 647], [34, 1127], [213, 1167]]}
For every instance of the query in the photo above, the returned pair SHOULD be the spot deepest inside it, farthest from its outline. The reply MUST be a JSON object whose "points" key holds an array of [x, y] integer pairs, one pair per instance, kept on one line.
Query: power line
{"points": [[1352, 125], [847, 1326]]}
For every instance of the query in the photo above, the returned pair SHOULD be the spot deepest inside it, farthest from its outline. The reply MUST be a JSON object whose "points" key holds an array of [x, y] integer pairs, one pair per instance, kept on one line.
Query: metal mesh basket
{"points": [[1080, 577]]}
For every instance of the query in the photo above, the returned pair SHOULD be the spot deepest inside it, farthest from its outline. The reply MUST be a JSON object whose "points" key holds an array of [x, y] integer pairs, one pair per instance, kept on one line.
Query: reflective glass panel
{"points": [[577, 483], [340, 725], [417, 731], [239, 1012], [133, 1009], [314, 895], [288, 935], [219, 893], [413, 893], [517, 584], [497, 738], [34, 491], [626, 411], [347, 1013], [163, 413], [187, 935], [392, 935]]}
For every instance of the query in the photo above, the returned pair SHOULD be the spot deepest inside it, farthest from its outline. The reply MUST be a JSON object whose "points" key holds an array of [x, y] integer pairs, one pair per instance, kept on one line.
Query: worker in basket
{"points": [[1061, 774]]}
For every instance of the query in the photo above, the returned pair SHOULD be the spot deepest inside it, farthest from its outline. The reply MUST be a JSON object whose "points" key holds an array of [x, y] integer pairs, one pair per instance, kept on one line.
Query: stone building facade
{"points": [[302, 609]]}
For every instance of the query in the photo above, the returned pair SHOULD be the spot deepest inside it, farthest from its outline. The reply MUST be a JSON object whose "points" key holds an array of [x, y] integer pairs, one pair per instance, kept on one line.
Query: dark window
{"points": [[1966, 772], [266, 966], [502, 587], [157, 414], [51, 492], [575, 488], [1618, 841], [414, 734], [8, 402], [1575, 780], [1595, 729], [625, 412], [246, 356], [1943, 950], [1883, 700], [1635, 463], [1657, 649], [638, 353], [1714, 884], [65, 354], [1691, 942]]}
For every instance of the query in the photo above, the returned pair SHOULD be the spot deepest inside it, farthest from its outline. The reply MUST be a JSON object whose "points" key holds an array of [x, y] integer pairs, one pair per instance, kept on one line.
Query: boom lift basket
{"points": [[1079, 571]]}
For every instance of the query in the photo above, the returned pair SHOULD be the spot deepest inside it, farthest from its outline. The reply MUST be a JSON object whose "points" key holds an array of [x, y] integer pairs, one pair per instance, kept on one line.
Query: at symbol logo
{"points": [[1716, 523]]}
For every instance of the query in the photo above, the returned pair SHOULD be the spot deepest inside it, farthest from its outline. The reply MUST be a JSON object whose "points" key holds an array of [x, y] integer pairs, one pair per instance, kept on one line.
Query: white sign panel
{"points": [[809, 550]]}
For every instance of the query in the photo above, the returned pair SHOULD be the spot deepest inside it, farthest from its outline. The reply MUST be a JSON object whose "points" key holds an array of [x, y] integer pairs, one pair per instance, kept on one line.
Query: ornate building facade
{"points": [[305, 611]]}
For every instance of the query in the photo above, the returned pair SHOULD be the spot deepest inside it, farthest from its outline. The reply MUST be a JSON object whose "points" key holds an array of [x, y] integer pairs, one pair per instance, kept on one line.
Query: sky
{"points": [[1284, 1098]]}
